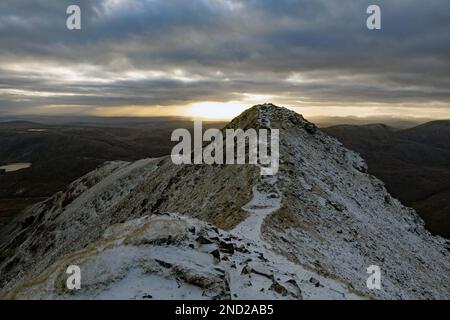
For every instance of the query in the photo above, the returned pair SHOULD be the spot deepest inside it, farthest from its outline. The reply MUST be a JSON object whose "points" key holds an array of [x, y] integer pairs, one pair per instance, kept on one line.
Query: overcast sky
{"points": [[154, 57]]}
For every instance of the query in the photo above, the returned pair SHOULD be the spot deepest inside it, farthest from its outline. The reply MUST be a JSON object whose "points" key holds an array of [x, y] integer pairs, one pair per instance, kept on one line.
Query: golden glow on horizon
{"points": [[215, 110], [210, 110], [139, 111]]}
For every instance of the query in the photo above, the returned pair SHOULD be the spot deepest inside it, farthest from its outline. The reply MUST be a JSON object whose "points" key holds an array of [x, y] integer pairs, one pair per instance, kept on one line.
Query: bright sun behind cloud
{"points": [[216, 110]]}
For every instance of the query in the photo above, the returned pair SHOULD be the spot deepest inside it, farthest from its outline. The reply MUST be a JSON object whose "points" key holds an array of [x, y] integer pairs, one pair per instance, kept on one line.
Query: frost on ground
{"points": [[169, 256], [310, 232]]}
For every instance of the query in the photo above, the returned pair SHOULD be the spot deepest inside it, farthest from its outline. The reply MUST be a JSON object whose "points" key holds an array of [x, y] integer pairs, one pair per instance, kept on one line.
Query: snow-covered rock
{"points": [[152, 229], [169, 256]]}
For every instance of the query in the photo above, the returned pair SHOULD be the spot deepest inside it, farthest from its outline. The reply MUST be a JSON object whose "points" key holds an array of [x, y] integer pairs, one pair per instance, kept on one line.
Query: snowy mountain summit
{"points": [[155, 230]]}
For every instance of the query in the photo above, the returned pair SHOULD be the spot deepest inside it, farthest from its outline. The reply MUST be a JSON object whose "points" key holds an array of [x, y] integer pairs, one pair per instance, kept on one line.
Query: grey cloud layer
{"points": [[227, 47]]}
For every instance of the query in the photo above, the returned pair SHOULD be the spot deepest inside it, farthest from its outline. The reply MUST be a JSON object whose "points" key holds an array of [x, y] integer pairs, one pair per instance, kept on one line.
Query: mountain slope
{"points": [[435, 133], [308, 232], [414, 164], [59, 154]]}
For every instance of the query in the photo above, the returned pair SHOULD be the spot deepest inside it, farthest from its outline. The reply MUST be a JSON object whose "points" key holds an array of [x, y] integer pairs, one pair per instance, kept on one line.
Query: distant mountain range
{"points": [[60, 154], [397, 123], [414, 163]]}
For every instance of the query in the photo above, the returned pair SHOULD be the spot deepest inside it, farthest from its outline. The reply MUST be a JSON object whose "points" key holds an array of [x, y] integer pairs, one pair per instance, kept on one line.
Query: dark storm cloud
{"points": [[165, 52]]}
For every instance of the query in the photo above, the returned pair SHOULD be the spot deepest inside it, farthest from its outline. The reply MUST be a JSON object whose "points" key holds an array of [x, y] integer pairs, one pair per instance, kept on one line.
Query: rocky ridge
{"points": [[151, 229]]}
